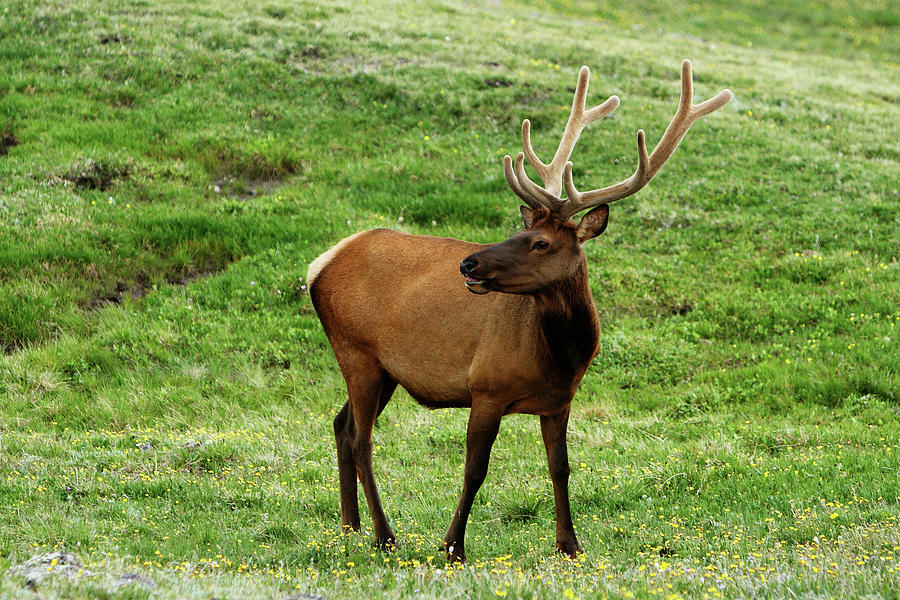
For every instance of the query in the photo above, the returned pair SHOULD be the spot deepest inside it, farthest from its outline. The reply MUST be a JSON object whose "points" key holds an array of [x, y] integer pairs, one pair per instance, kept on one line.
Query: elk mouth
{"points": [[478, 286]]}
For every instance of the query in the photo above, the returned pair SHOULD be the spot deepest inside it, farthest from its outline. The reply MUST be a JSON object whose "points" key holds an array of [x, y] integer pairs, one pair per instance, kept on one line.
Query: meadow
{"points": [[169, 169]]}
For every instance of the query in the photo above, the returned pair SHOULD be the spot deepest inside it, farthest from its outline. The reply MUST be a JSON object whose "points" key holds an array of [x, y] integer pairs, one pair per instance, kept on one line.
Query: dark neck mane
{"points": [[569, 323]]}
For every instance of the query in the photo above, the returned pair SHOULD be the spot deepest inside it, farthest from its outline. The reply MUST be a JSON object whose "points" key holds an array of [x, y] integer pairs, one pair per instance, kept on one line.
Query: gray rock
{"points": [[135, 579], [37, 568]]}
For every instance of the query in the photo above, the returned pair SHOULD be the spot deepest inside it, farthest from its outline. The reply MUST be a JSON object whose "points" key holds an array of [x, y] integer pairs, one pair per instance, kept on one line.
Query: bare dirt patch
{"points": [[143, 285], [112, 38], [236, 187], [7, 140], [91, 174], [190, 275], [136, 290], [680, 308], [312, 51], [497, 82]]}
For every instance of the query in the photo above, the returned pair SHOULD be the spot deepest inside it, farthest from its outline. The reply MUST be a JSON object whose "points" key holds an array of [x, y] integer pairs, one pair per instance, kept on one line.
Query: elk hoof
{"points": [[386, 544], [570, 548], [455, 552]]}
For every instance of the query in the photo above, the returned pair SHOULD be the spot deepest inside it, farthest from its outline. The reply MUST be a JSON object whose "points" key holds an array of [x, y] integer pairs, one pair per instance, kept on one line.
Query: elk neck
{"points": [[569, 323]]}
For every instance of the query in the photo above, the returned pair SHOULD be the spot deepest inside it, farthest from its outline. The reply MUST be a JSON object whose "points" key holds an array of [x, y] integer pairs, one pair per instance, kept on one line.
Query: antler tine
{"points": [[514, 183], [533, 160], [579, 118], [551, 174], [579, 201], [543, 196], [648, 166]]}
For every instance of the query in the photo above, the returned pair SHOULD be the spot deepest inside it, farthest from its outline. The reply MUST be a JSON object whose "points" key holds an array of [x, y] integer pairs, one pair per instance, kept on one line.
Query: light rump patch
{"points": [[316, 266]]}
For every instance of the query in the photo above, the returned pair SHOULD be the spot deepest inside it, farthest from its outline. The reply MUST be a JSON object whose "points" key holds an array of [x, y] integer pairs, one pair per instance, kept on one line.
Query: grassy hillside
{"points": [[168, 170]]}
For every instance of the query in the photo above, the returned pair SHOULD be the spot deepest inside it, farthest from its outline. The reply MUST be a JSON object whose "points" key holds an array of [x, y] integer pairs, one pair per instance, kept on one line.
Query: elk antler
{"points": [[559, 172], [533, 194]]}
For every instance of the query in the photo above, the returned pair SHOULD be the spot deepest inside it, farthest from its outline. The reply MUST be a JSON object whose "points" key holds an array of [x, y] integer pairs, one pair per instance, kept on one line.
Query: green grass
{"points": [[167, 171]]}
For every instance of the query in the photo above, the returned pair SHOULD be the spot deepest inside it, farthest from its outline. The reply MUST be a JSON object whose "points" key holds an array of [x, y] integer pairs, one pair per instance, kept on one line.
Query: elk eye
{"points": [[540, 245]]}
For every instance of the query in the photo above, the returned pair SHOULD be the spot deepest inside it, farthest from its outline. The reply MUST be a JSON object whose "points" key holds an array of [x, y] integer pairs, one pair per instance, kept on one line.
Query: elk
{"points": [[416, 311]]}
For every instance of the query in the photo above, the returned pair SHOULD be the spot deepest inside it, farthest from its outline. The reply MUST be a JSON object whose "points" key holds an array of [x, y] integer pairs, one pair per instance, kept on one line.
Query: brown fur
{"points": [[396, 311]]}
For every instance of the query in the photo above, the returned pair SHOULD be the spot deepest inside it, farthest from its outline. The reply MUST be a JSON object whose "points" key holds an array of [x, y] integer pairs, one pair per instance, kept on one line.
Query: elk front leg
{"points": [[480, 436], [553, 430]]}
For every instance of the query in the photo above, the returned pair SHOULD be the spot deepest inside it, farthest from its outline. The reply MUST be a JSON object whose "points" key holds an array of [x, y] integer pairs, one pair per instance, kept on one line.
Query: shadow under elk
{"points": [[416, 311]]}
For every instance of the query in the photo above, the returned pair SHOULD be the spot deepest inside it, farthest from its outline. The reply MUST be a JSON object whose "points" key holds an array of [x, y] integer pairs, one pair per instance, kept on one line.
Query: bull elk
{"points": [[397, 312]]}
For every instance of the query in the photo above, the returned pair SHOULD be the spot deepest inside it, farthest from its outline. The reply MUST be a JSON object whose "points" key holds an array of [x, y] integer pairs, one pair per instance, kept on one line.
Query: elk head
{"points": [[549, 250]]}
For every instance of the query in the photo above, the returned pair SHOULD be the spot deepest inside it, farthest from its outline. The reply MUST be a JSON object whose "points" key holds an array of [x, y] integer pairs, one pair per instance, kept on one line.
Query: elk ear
{"points": [[593, 223], [527, 216]]}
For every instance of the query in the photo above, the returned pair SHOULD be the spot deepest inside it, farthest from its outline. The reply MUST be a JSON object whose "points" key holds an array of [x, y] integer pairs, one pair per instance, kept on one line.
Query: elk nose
{"points": [[468, 265]]}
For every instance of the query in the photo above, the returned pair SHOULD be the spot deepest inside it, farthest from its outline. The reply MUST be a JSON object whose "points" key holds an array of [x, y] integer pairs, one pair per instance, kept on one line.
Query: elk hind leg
{"points": [[343, 436], [369, 388]]}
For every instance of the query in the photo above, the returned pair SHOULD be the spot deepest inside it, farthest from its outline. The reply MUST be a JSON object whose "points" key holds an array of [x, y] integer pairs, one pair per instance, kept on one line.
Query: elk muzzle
{"points": [[468, 267]]}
